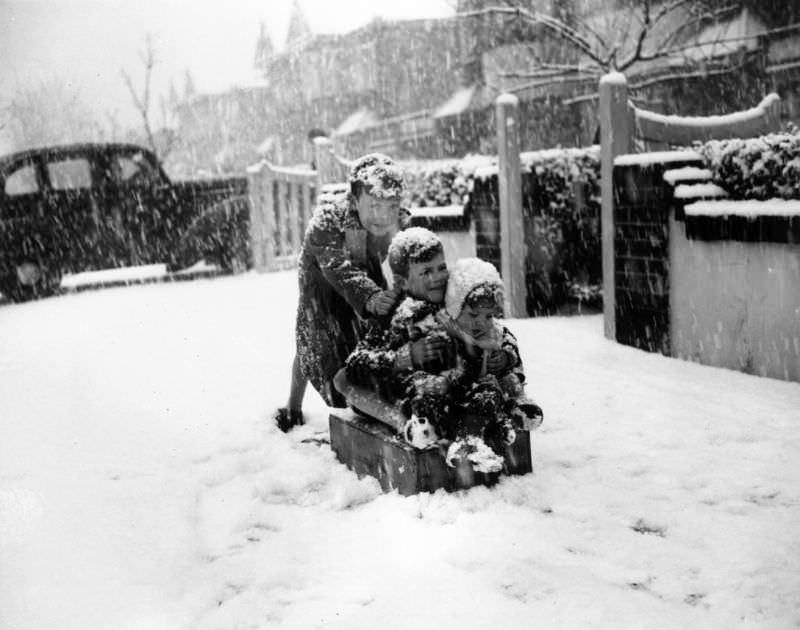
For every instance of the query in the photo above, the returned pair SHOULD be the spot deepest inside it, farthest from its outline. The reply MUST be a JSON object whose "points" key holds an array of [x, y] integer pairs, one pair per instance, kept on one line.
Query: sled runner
{"points": [[369, 439]]}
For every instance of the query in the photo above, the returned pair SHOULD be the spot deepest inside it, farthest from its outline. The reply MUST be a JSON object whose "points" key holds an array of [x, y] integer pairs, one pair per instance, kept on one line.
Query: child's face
{"points": [[378, 216], [428, 280], [478, 320]]}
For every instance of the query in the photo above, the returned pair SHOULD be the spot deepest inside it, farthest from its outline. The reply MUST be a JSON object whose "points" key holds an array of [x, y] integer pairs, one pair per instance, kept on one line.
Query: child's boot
{"points": [[526, 414], [287, 419]]}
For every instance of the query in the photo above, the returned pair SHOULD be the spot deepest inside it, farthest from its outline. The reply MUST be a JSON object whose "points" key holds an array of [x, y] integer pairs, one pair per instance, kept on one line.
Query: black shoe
{"points": [[287, 419]]}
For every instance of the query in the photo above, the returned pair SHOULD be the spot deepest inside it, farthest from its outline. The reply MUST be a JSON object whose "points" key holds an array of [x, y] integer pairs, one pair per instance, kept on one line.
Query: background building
{"points": [[426, 88]]}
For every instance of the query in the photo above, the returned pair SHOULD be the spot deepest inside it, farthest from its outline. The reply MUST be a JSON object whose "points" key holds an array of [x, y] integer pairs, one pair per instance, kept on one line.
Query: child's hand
{"points": [[428, 351], [497, 361], [382, 302]]}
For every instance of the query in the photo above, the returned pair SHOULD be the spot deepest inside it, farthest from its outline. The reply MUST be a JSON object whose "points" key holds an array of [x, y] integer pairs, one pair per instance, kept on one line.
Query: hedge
{"points": [[439, 183], [561, 208], [766, 167]]}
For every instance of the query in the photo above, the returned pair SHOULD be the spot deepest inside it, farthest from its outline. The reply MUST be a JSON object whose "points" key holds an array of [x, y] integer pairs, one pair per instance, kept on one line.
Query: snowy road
{"points": [[142, 486]]}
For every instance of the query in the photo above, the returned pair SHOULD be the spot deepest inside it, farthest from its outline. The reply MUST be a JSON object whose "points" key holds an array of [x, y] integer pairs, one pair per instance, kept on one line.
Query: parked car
{"points": [[81, 207]]}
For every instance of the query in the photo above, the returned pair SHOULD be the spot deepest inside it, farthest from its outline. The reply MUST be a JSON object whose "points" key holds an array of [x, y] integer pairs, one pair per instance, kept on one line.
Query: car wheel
{"points": [[219, 236]]}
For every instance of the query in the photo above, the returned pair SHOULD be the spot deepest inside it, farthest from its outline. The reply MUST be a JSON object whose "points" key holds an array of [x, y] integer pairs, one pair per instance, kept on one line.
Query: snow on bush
{"points": [[561, 199], [561, 204], [766, 167], [441, 183]]}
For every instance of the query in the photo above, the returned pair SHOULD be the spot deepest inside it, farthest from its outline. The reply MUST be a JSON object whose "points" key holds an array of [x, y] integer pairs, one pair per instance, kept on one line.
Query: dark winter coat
{"points": [[339, 270], [372, 363]]}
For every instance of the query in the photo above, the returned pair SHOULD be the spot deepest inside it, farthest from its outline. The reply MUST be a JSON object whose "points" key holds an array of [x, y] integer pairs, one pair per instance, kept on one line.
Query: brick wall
{"points": [[642, 205]]}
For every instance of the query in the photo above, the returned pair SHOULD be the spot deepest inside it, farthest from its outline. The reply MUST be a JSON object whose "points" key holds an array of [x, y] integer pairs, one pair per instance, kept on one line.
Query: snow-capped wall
{"points": [[735, 304], [703, 277]]}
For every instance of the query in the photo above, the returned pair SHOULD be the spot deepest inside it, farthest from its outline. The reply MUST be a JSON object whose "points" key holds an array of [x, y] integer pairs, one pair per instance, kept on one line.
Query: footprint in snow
{"points": [[643, 527]]}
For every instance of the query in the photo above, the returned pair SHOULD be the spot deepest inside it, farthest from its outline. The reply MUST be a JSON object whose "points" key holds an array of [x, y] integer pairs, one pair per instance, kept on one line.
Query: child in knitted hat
{"points": [[489, 386], [469, 384]]}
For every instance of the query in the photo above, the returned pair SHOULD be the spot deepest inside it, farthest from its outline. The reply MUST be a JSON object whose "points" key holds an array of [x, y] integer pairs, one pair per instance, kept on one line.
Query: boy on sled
{"points": [[454, 372]]}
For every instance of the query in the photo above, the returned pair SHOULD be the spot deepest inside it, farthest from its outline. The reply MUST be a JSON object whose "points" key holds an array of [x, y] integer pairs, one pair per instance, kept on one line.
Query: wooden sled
{"points": [[367, 439]]}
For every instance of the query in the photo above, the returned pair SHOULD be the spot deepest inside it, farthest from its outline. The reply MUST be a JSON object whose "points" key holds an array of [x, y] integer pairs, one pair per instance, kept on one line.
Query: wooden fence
{"points": [[625, 128], [281, 201]]}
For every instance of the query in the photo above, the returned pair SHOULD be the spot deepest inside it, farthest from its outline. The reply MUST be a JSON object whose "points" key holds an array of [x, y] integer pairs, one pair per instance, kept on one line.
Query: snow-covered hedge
{"points": [[440, 183], [766, 167], [561, 199]]}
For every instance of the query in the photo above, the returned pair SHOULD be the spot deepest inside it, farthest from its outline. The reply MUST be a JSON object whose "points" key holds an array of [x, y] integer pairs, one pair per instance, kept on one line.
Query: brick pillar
{"points": [[327, 168]]}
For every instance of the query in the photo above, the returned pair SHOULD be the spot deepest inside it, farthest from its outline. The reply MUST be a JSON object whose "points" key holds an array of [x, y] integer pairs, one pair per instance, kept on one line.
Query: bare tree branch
{"points": [[552, 70], [697, 21], [642, 22], [553, 24], [142, 102], [685, 75], [643, 32]]}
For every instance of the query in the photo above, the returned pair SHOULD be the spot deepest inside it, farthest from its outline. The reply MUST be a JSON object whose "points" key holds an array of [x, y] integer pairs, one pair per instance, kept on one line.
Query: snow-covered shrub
{"points": [[439, 183], [561, 198], [766, 167]]}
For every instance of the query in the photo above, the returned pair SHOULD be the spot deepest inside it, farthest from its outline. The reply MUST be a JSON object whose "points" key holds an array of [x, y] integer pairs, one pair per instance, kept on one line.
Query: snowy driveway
{"points": [[142, 486]]}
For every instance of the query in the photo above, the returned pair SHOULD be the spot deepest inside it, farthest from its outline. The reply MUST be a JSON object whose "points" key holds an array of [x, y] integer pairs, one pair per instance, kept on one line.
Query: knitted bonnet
{"points": [[468, 275]]}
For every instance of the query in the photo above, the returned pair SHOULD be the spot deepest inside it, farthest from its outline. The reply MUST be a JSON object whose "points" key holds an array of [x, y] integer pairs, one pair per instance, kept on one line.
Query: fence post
{"points": [[283, 220], [308, 208], [255, 196], [295, 215], [327, 168], [259, 186], [268, 182], [512, 232], [616, 134]]}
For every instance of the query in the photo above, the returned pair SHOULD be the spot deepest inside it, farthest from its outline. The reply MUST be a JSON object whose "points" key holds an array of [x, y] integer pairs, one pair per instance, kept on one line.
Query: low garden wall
{"points": [[735, 299], [707, 254]]}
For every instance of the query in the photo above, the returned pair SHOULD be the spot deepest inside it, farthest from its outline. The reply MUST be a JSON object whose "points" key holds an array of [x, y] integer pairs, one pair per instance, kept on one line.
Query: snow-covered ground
{"points": [[142, 485]]}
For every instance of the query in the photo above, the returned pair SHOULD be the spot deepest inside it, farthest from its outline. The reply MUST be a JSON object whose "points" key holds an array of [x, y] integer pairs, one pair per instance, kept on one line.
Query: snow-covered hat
{"points": [[379, 174], [412, 245], [473, 278]]}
